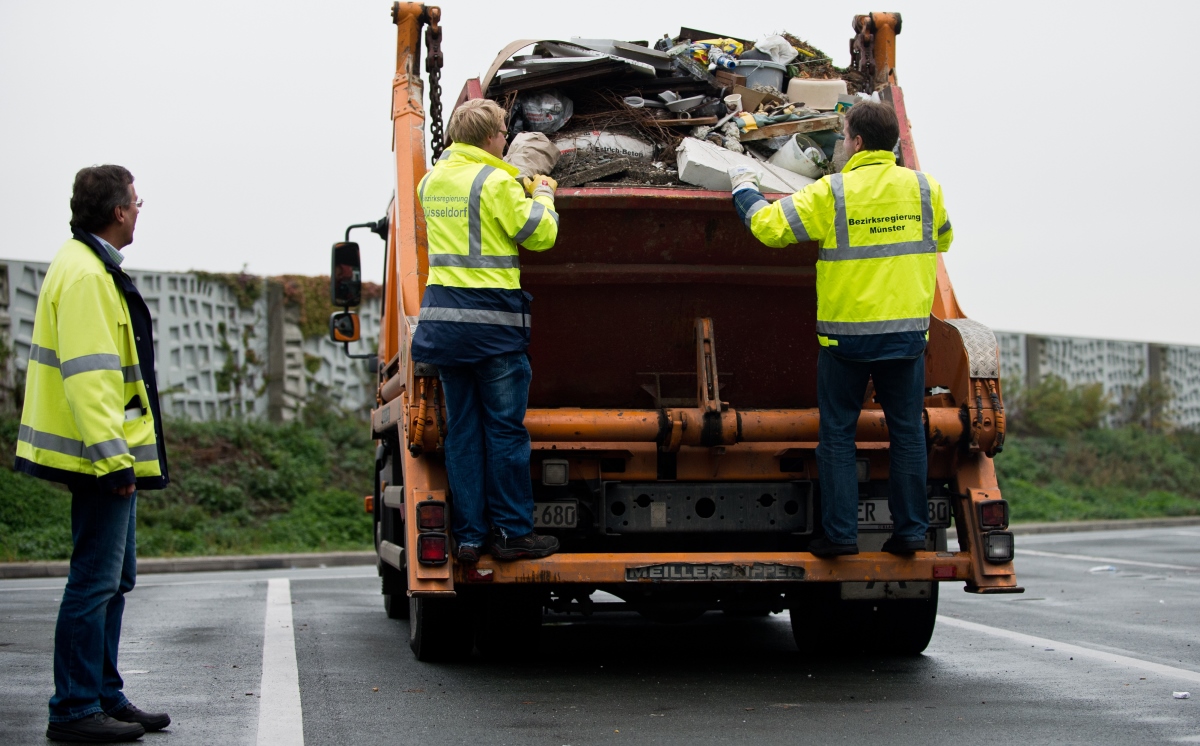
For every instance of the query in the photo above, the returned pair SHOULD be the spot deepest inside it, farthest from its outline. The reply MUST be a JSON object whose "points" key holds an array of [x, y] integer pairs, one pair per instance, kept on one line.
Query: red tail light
{"points": [[431, 515], [993, 514], [432, 549]]}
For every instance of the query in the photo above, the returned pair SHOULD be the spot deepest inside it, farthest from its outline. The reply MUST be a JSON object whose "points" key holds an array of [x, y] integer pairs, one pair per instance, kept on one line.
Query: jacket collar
{"points": [[458, 151], [90, 241], [869, 158]]}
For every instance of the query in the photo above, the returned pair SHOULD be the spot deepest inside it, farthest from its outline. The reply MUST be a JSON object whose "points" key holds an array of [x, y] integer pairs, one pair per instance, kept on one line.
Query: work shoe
{"points": [[823, 547], [896, 545], [95, 728], [467, 554], [529, 546], [149, 720]]}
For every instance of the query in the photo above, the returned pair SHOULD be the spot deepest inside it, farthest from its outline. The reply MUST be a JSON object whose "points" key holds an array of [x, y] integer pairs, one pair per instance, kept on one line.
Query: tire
{"points": [[394, 585], [908, 624], [510, 625], [824, 625], [395, 592], [440, 629]]}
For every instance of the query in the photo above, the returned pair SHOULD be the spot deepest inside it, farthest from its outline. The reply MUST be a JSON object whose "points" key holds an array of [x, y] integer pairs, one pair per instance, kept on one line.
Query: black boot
{"points": [[529, 546]]}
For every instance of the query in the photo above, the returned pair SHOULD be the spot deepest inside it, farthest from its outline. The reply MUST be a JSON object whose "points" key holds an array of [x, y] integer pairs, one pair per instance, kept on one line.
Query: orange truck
{"points": [[678, 473]]}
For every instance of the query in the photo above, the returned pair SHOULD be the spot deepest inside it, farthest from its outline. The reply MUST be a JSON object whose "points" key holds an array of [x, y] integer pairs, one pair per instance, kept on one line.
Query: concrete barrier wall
{"points": [[214, 356]]}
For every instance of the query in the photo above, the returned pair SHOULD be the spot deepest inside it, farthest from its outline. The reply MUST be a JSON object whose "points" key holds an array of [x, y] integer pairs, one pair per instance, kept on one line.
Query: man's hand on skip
{"points": [[124, 491]]}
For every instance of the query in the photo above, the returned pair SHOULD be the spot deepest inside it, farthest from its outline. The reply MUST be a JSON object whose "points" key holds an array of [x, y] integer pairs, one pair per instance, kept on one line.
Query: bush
{"points": [[237, 487], [1053, 408]]}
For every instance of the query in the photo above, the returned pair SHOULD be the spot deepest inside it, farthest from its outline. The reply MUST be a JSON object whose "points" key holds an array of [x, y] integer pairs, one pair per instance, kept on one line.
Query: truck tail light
{"points": [[998, 546], [556, 472], [993, 515], [431, 515], [432, 549], [369, 503]]}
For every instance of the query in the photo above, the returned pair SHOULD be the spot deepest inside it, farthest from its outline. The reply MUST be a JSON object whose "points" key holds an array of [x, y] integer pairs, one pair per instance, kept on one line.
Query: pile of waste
{"points": [[678, 113]]}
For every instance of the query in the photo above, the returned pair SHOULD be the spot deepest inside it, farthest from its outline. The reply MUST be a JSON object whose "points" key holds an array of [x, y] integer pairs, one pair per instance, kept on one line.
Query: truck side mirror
{"points": [[345, 277], [344, 327]]}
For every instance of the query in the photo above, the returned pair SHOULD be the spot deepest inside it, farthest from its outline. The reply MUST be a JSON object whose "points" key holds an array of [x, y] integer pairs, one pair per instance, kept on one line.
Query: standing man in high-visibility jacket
{"points": [[91, 421], [878, 228], [474, 326]]}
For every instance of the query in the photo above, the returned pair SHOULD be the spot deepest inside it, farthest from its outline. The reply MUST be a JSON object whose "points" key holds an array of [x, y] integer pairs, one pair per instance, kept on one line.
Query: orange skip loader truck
{"points": [[678, 473]]}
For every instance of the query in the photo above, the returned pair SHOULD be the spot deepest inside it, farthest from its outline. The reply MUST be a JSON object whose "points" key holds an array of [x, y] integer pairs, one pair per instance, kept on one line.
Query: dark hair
{"points": [[875, 123], [98, 191]]}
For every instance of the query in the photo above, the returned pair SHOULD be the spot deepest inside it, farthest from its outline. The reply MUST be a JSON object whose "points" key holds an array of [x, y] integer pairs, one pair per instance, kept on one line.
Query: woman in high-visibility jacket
{"points": [[878, 228], [474, 325]]}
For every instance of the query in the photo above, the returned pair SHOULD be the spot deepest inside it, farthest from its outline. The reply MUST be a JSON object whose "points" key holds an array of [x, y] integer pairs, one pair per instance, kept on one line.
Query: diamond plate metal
{"points": [[983, 353]]}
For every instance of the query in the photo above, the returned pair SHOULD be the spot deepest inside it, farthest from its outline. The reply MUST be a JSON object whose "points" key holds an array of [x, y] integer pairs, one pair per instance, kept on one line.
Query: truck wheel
{"points": [[510, 627], [821, 624], [907, 624], [440, 629], [395, 592]]}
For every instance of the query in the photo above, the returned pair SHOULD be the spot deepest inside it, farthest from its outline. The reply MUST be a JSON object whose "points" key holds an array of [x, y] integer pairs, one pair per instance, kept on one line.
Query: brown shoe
{"points": [[95, 728], [529, 546], [151, 721]]}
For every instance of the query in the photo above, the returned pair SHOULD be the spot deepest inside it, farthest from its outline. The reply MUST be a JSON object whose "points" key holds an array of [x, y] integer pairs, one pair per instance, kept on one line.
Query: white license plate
{"points": [[562, 514], [873, 514]]}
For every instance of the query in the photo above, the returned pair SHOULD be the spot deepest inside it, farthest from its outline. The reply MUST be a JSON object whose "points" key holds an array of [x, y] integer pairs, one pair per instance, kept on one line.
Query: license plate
{"points": [[562, 514], [873, 514]]}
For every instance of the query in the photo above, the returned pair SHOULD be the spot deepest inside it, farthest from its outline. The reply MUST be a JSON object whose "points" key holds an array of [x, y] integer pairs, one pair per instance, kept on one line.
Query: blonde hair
{"points": [[476, 120]]}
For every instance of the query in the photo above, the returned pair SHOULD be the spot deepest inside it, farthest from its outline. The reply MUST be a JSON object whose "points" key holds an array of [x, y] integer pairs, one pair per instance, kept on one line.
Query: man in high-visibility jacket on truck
{"points": [[474, 326], [878, 227]]}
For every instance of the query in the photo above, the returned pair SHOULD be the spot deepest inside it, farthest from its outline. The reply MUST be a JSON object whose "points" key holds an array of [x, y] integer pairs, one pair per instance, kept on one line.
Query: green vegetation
{"points": [[238, 487], [1060, 464], [1122, 473]]}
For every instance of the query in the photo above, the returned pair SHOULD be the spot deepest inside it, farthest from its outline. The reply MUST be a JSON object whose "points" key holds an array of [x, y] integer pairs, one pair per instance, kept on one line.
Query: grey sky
{"points": [[258, 130]]}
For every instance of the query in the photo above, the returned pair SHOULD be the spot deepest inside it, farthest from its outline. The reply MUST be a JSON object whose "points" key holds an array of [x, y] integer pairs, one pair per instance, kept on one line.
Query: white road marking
{"points": [[1041, 643], [280, 718], [1110, 560]]}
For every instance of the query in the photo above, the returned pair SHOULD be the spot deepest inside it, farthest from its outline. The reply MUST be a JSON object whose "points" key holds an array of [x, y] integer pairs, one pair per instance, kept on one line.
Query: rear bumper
{"points": [[718, 567]]}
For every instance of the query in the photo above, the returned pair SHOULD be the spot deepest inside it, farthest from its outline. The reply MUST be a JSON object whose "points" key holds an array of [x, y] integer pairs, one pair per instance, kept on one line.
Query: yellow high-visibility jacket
{"points": [[88, 418], [879, 228], [476, 215]]}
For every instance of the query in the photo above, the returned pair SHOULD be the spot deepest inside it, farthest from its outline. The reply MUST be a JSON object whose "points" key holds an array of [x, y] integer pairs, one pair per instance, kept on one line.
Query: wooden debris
{"points": [[816, 124]]}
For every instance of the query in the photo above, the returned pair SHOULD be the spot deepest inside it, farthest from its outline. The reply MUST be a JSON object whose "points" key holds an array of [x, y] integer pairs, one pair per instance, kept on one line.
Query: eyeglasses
{"points": [[137, 204]]}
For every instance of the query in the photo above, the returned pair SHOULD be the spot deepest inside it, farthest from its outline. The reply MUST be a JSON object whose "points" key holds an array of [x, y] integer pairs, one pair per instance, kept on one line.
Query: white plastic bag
{"points": [[778, 47], [546, 112]]}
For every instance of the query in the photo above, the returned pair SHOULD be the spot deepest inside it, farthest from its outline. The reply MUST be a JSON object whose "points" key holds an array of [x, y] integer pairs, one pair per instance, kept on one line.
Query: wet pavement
{"points": [[1108, 629]]}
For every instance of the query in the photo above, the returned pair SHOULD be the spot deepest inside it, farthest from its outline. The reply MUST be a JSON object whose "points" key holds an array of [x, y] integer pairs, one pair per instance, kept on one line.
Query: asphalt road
{"points": [[1087, 655]]}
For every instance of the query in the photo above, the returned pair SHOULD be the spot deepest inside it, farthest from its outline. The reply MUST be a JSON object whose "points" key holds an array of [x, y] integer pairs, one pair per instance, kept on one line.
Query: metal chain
{"points": [[433, 66]]}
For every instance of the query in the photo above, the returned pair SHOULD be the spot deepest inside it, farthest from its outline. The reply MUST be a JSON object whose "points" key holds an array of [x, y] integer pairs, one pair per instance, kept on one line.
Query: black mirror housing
{"points": [[344, 327], [345, 276]]}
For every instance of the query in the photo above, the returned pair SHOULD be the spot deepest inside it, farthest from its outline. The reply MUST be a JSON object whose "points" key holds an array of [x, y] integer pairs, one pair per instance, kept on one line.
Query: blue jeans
{"points": [[900, 388], [487, 447], [88, 633]]}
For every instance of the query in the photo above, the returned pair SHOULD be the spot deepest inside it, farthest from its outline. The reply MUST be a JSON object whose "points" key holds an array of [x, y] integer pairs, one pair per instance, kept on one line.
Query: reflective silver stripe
{"points": [[474, 219], [421, 194], [926, 211], [945, 227], [76, 448], [89, 363], [475, 262], [553, 216], [840, 226], [50, 441], [789, 211], [474, 316], [535, 218], [145, 453], [107, 449], [878, 251], [873, 327], [43, 356], [754, 209], [132, 373]]}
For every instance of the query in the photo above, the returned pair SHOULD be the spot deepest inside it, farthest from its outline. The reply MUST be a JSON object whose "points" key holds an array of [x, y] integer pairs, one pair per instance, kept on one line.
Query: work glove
{"points": [[540, 186], [743, 177]]}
